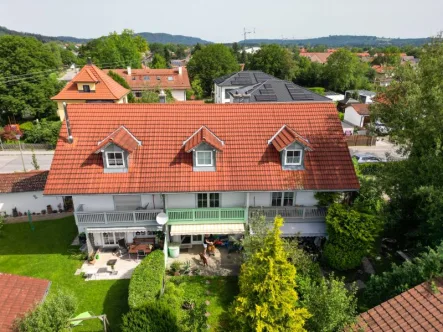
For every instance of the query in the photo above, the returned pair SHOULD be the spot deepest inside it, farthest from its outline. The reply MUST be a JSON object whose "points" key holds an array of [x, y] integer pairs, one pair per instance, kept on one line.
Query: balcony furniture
{"points": [[90, 272], [144, 240], [141, 254], [111, 262], [102, 270], [136, 248]]}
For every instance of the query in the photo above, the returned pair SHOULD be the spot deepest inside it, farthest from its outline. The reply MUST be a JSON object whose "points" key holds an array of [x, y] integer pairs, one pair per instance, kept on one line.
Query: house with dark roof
{"points": [[24, 191], [195, 169], [275, 91], [90, 85], [175, 80], [418, 309]]}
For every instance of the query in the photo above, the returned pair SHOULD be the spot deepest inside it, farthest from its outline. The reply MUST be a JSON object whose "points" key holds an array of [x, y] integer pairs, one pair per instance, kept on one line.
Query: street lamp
{"points": [[17, 136]]}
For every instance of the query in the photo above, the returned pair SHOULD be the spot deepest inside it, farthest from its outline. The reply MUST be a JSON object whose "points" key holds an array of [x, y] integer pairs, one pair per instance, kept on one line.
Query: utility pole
{"points": [[246, 33], [21, 152]]}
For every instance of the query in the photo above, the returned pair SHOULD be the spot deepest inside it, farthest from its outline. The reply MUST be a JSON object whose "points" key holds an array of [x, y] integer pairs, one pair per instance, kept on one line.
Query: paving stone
{"points": [[367, 266]]}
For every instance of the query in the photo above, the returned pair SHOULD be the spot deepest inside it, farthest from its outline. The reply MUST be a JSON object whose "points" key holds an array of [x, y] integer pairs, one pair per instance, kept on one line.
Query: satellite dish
{"points": [[162, 218]]}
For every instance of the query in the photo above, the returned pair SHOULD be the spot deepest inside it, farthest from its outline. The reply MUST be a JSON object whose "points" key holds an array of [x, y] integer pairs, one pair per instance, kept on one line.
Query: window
{"points": [[205, 200], [170, 78], [134, 78], [86, 88], [146, 78], [138, 94], [112, 238], [227, 95], [115, 159], [158, 78], [293, 157], [204, 158], [282, 199]]}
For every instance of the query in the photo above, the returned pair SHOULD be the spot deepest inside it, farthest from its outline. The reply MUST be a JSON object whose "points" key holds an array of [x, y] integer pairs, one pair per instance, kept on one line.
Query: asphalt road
{"points": [[383, 149], [11, 161]]}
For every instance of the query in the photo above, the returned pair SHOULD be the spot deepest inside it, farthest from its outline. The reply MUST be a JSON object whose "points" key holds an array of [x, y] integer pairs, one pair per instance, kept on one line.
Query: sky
{"points": [[224, 21]]}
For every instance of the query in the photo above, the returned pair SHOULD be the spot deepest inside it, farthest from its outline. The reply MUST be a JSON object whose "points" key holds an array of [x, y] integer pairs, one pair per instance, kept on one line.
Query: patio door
{"points": [[197, 239], [111, 238]]}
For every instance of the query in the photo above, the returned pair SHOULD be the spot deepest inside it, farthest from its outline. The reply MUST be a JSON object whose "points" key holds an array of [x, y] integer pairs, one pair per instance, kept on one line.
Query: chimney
{"points": [[89, 61], [129, 70], [180, 70], [68, 125], [162, 97]]}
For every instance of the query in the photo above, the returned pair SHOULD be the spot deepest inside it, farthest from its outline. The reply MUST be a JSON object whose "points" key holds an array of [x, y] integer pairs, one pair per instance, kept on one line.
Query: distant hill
{"points": [[165, 38], [340, 41], [5, 31]]}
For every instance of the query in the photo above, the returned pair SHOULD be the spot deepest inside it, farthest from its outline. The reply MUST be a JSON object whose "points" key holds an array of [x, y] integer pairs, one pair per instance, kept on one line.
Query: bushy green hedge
{"points": [[147, 280], [340, 259], [154, 317], [371, 168], [318, 90]]}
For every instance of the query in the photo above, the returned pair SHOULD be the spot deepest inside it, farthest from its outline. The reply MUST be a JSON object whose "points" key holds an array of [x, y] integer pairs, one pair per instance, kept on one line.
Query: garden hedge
{"points": [[147, 280], [155, 317]]}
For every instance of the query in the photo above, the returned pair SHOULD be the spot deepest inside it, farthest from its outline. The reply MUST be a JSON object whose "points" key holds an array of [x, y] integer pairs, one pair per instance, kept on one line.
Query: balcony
{"points": [[292, 213], [207, 215], [138, 217]]}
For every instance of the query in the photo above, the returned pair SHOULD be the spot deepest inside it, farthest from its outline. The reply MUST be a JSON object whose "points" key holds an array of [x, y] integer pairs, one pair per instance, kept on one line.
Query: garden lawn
{"points": [[219, 291], [43, 253]]}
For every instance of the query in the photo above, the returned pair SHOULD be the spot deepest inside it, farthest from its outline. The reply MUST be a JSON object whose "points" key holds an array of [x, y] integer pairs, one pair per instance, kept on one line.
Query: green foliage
{"points": [[351, 236], [371, 168], [403, 277], [196, 320], [332, 305], [2, 222], [369, 198], [68, 57], [210, 62], [51, 315], [26, 126], [152, 97], [154, 317], [327, 198], [318, 90], [268, 300], [308, 73], [34, 161], [116, 50], [120, 80], [197, 88], [147, 280], [31, 96], [341, 116], [273, 60], [158, 62], [307, 267], [44, 132]]}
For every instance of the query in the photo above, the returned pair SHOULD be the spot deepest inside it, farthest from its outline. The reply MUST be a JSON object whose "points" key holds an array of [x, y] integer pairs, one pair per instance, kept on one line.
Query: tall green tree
{"points": [[273, 60], [120, 80], [309, 74], [268, 300], [210, 62], [28, 78], [158, 62], [344, 71]]}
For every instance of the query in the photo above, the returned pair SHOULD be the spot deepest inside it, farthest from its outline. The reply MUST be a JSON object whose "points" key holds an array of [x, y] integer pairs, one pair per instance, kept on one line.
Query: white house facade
{"points": [[357, 114]]}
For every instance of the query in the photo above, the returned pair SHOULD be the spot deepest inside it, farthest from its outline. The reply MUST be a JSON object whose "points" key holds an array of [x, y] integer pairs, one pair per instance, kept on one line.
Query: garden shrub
{"points": [[26, 126], [371, 168], [318, 90], [327, 198], [147, 280], [44, 132], [51, 315], [154, 317], [352, 235]]}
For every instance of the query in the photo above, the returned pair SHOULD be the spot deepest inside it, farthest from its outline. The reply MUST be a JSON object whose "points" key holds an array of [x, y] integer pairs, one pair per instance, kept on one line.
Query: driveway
{"points": [[383, 149], [10, 161]]}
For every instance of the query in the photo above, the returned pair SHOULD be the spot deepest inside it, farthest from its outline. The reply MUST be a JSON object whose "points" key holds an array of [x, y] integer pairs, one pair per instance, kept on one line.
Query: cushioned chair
{"points": [[141, 254]]}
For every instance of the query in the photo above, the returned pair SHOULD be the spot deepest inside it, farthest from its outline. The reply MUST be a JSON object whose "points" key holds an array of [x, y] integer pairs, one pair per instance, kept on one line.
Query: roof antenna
{"points": [[68, 125]]}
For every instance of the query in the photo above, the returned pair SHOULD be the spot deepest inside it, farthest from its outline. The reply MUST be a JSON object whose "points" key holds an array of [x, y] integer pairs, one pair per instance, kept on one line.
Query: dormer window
{"points": [[293, 157], [204, 158], [86, 88], [146, 78], [170, 78], [115, 160], [134, 78]]}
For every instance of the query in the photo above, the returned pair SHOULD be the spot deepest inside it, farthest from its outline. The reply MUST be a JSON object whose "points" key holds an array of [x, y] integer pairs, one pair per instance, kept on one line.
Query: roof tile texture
{"points": [[18, 294], [22, 182], [203, 135], [362, 109], [105, 89], [161, 165], [122, 138], [286, 137]]}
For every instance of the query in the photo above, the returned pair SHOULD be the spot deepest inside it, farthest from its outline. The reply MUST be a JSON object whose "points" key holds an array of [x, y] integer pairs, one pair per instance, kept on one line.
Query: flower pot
{"points": [[174, 251]]}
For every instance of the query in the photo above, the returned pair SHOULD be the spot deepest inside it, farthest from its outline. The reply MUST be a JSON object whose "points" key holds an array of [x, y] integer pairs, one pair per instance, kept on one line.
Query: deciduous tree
{"points": [[158, 62], [273, 60]]}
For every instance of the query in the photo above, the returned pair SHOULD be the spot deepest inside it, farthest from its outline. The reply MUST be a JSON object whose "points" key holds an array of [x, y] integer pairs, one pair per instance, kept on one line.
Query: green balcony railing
{"points": [[226, 215]]}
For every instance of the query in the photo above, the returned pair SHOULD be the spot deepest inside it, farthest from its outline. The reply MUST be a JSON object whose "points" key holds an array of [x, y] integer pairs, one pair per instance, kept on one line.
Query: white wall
{"points": [[93, 203], [33, 201], [336, 97], [353, 117], [219, 97], [233, 199], [180, 201], [305, 198], [179, 95], [260, 199], [155, 201]]}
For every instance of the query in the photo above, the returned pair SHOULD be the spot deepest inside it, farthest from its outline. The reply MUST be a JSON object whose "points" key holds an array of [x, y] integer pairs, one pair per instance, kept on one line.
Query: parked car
{"points": [[367, 158], [381, 128]]}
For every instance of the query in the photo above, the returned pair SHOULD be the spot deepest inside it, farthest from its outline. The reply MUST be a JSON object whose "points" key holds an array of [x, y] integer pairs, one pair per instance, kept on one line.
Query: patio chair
{"points": [[122, 247], [141, 254]]}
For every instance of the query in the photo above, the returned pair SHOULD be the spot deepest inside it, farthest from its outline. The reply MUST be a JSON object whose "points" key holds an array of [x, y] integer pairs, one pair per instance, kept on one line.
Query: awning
{"points": [[304, 229], [124, 229], [207, 229]]}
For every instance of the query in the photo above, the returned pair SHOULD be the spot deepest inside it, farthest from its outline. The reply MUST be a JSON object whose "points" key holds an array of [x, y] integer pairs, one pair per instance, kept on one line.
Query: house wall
{"points": [[305, 198], [60, 110], [34, 201], [336, 97], [103, 203], [220, 93], [260, 199], [181, 201], [179, 95], [353, 117], [91, 86]]}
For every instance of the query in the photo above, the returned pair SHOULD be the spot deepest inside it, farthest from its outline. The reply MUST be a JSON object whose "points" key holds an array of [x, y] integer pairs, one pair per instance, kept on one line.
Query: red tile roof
{"points": [[161, 164], [22, 182], [203, 135], [120, 137], [158, 78], [362, 109], [286, 136], [105, 89], [320, 57], [418, 309], [18, 295]]}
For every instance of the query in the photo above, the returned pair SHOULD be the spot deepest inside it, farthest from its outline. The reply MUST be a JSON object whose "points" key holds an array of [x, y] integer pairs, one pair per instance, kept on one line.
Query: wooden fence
{"points": [[361, 140]]}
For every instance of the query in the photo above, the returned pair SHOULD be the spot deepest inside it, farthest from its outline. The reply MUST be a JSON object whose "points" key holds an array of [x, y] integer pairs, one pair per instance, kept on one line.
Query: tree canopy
{"points": [[210, 62], [158, 62], [273, 60]]}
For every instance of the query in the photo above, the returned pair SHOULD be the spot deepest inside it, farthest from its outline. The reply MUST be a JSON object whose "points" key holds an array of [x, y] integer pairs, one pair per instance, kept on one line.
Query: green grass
{"points": [[222, 291], [42, 253]]}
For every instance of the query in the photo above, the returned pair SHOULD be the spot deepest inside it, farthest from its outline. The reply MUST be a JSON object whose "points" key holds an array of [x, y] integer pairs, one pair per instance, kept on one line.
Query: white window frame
{"points": [[208, 200], [204, 165], [293, 164], [115, 166], [282, 198]]}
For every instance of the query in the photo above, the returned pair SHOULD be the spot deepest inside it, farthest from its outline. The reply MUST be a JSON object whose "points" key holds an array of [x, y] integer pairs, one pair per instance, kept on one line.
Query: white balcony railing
{"points": [[116, 217], [291, 212]]}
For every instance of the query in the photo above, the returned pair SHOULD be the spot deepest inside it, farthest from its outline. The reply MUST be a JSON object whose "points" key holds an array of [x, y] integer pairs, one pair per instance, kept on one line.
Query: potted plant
{"points": [[91, 259], [160, 238], [49, 209], [174, 249]]}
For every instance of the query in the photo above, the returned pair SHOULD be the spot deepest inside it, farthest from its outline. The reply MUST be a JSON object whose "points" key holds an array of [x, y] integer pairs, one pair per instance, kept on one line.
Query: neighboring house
{"points": [[18, 296], [418, 309], [252, 50], [90, 85], [335, 96], [24, 191], [383, 75], [223, 85], [357, 114], [209, 167], [275, 91], [176, 80], [319, 57], [365, 96]]}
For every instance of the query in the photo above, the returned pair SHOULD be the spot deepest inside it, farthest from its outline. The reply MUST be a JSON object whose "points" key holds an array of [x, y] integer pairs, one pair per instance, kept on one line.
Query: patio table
{"points": [[134, 248]]}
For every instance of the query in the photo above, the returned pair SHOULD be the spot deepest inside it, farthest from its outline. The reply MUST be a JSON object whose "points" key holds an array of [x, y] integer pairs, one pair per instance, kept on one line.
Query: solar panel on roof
{"points": [[267, 86], [243, 74], [301, 96], [266, 92], [241, 82], [266, 98]]}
